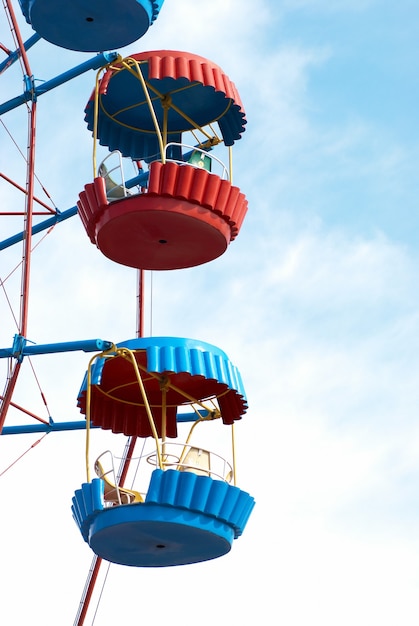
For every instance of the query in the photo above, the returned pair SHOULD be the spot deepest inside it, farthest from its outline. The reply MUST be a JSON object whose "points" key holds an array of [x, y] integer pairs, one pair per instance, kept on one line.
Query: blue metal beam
{"points": [[44, 428], [14, 56], [60, 216], [31, 93], [54, 427], [20, 348]]}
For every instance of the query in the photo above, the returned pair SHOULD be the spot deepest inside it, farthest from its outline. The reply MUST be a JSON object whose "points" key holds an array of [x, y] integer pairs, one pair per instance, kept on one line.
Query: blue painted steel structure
{"points": [[59, 216], [32, 91], [15, 56], [20, 347]]}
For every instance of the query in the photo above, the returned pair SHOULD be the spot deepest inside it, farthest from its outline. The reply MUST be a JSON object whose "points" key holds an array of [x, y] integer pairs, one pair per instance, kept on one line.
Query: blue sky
{"points": [[316, 302]]}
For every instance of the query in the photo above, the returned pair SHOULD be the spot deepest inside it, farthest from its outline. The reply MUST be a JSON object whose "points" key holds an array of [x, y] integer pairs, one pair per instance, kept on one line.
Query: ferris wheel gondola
{"points": [[191, 509], [185, 211]]}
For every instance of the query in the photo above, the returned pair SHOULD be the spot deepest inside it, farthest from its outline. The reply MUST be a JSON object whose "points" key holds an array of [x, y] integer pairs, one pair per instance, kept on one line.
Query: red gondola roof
{"points": [[192, 87]]}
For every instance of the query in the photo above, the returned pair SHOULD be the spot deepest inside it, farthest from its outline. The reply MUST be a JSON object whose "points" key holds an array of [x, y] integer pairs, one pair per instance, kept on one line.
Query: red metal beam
{"points": [[18, 37], [27, 243], [87, 596], [140, 304], [20, 408], [12, 182], [8, 393], [93, 574]]}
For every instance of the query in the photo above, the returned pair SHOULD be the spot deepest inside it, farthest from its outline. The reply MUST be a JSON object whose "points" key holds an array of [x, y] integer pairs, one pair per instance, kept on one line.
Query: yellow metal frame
{"points": [[134, 67], [213, 412]]}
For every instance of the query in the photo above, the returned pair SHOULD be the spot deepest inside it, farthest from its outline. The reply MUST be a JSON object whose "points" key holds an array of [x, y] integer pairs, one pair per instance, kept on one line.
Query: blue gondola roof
{"points": [[177, 354], [195, 371]]}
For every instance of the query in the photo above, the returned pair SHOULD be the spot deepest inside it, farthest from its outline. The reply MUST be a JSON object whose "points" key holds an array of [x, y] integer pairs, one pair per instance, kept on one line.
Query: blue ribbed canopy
{"points": [[177, 354], [195, 371]]}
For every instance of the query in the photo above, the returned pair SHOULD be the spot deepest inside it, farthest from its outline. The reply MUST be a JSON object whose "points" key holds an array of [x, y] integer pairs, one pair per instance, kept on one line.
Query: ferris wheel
{"points": [[162, 199]]}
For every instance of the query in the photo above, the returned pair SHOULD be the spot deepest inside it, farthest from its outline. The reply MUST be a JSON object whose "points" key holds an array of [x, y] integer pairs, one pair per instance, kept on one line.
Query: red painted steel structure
{"points": [[6, 399], [27, 242], [97, 561]]}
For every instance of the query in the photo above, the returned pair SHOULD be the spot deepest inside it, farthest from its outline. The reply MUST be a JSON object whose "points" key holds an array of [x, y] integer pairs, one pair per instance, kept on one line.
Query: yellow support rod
{"points": [[129, 355], [149, 102], [230, 162], [164, 422], [233, 446]]}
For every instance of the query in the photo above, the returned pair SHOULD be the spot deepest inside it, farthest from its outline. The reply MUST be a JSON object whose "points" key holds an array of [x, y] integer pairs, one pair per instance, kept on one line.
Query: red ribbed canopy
{"points": [[176, 82]]}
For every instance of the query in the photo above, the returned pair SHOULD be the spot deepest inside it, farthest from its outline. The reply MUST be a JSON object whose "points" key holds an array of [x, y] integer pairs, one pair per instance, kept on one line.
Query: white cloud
{"points": [[318, 313], [328, 7]]}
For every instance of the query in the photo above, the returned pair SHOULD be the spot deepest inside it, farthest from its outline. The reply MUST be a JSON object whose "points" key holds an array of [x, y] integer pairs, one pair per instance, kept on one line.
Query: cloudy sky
{"points": [[316, 302]]}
